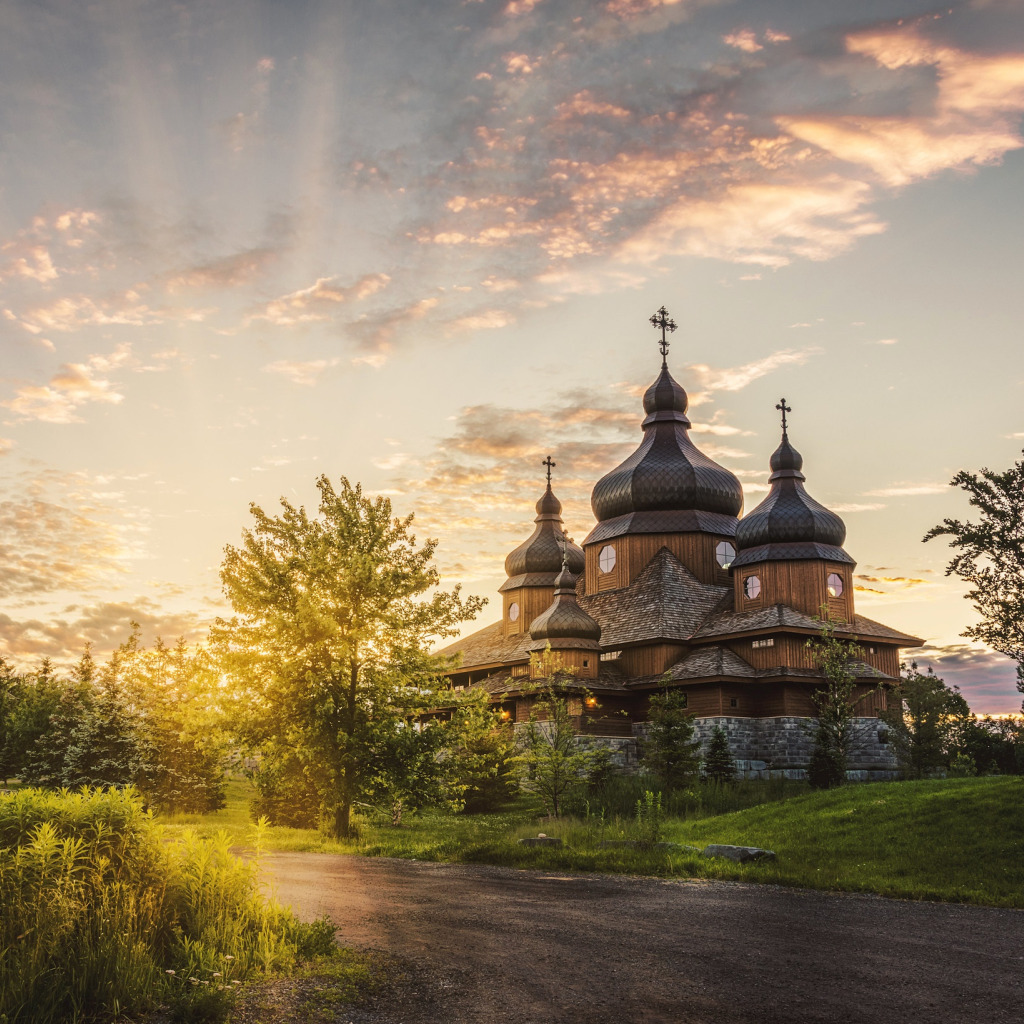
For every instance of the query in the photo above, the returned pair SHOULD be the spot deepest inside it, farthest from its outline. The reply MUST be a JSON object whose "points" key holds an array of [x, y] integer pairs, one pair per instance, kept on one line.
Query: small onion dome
{"points": [[542, 552], [565, 619], [789, 523], [667, 472]]}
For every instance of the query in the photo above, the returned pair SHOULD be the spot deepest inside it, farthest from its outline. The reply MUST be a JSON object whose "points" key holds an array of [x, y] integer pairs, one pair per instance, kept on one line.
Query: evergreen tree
{"points": [[671, 750], [719, 765], [481, 748]]}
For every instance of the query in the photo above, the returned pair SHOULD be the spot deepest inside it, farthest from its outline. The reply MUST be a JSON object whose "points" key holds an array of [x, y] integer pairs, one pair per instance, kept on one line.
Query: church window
{"points": [[767, 642], [751, 587], [725, 553], [835, 585], [732, 702], [513, 612], [606, 560]]}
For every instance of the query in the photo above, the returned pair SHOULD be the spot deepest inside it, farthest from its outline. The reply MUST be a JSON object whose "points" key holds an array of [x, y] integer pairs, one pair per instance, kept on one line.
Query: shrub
{"points": [[101, 918]]}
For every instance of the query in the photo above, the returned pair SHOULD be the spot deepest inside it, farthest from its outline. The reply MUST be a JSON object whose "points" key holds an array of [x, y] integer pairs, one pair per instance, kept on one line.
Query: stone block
{"points": [[541, 841], [740, 854]]}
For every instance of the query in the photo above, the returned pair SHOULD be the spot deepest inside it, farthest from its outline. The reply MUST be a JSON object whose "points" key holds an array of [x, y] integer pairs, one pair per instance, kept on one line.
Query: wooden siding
{"points": [[532, 601], [650, 660], [633, 552], [582, 664], [803, 585]]}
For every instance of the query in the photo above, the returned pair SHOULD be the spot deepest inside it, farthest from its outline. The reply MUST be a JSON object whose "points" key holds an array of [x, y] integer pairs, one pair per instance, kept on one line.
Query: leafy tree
{"points": [[671, 750], [990, 557], [481, 748], [330, 634], [922, 720], [719, 765], [552, 761], [285, 792], [836, 703], [410, 771]]}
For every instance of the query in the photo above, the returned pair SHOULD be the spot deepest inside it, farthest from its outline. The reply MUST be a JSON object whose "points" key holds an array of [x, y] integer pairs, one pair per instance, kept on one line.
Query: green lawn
{"points": [[952, 839]]}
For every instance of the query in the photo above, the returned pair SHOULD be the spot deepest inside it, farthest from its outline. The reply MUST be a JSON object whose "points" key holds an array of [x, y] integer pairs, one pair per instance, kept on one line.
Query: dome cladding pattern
{"points": [[789, 522], [542, 552], [667, 472], [565, 619]]}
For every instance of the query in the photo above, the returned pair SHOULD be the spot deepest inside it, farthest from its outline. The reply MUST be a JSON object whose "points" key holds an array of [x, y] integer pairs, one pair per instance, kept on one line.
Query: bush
{"points": [[285, 795], [101, 918]]}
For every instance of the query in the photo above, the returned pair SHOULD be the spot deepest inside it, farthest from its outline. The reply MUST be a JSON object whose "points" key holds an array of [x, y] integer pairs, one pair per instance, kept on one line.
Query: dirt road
{"points": [[496, 945]]}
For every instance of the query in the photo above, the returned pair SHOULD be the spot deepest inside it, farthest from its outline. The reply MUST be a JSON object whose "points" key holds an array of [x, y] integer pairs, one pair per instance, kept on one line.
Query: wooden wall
{"points": [[634, 551], [800, 584], [531, 600], [650, 660]]}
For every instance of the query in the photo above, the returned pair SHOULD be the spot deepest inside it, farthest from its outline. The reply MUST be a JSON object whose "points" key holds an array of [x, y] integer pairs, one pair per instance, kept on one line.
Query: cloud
{"points": [[105, 625], [74, 312], [486, 320], [72, 386], [908, 491], [47, 547], [743, 39], [853, 506], [376, 336], [986, 679], [306, 373], [318, 301], [738, 377], [975, 106], [225, 272]]}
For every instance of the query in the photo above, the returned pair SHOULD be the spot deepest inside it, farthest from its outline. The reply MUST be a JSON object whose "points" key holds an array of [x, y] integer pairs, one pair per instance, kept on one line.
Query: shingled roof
{"points": [[782, 616], [711, 661], [489, 646], [665, 602]]}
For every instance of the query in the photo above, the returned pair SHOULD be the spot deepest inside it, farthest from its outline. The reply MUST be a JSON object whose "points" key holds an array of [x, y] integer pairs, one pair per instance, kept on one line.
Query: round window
{"points": [[835, 585], [751, 587], [606, 560], [513, 612], [725, 553]]}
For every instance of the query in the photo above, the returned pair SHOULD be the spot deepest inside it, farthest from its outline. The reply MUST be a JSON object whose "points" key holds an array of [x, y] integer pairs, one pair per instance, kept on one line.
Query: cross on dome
{"points": [[784, 409], [551, 465], [662, 320]]}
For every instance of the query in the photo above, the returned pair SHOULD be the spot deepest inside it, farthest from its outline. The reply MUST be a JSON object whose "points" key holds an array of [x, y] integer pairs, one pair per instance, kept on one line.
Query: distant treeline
{"points": [[146, 718]]}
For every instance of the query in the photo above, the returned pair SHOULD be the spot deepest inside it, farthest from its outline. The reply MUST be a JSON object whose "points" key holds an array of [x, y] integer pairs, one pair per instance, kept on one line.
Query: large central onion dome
{"points": [[668, 473], [542, 552], [789, 523]]}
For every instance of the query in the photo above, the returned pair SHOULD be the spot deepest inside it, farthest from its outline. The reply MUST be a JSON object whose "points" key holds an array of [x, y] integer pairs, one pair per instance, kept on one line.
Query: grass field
{"points": [[949, 839]]}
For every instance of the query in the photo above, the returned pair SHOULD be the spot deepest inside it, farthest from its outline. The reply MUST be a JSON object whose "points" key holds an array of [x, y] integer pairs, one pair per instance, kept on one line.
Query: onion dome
{"points": [[542, 552], [667, 484], [789, 523], [565, 620]]}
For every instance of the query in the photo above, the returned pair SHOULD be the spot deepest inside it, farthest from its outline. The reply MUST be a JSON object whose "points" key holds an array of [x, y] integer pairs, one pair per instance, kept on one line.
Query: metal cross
{"points": [[565, 548], [666, 323], [551, 465], [784, 409]]}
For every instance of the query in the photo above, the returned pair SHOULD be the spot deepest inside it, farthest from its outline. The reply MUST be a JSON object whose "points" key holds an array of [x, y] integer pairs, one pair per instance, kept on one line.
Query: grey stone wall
{"points": [[781, 747], [766, 748]]}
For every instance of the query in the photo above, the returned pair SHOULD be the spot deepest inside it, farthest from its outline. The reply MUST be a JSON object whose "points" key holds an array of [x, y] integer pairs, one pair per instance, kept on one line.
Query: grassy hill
{"points": [[951, 839], [944, 839]]}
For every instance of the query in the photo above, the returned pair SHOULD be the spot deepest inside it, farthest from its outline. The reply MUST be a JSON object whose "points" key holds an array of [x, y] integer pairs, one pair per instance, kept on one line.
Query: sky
{"points": [[244, 244]]}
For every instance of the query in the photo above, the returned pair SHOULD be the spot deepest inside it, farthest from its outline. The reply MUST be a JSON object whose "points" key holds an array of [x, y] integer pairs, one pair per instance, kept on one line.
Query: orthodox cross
{"points": [[667, 324], [551, 465], [784, 409]]}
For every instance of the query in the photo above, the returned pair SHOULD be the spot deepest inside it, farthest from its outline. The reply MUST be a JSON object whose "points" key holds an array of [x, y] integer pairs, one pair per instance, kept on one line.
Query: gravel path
{"points": [[488, 944]]}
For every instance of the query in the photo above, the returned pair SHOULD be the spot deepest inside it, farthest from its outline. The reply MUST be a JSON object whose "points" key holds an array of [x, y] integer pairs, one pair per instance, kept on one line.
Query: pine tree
{"points": [[671, 750], [719, 765]]}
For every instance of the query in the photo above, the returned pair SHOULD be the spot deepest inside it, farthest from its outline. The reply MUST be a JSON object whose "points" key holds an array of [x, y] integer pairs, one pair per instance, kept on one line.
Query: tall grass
{"points": [[101, 918]]}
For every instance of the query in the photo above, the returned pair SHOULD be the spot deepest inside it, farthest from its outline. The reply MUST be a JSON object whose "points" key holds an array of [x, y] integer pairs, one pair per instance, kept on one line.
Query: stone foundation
{"points": [[766, 748], [770, 748]]}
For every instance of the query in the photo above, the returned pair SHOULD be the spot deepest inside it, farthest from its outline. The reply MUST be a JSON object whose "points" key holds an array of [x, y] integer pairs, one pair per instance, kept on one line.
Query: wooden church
{"points": [[675, 587]]}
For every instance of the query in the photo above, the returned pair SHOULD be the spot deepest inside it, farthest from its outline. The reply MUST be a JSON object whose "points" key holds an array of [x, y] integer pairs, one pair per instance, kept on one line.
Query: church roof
{"points": [[711, 661], [564, 620], [489, 646], [665, 602], [539, 558], [729, 623], [667, 472], [789, 523]]}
